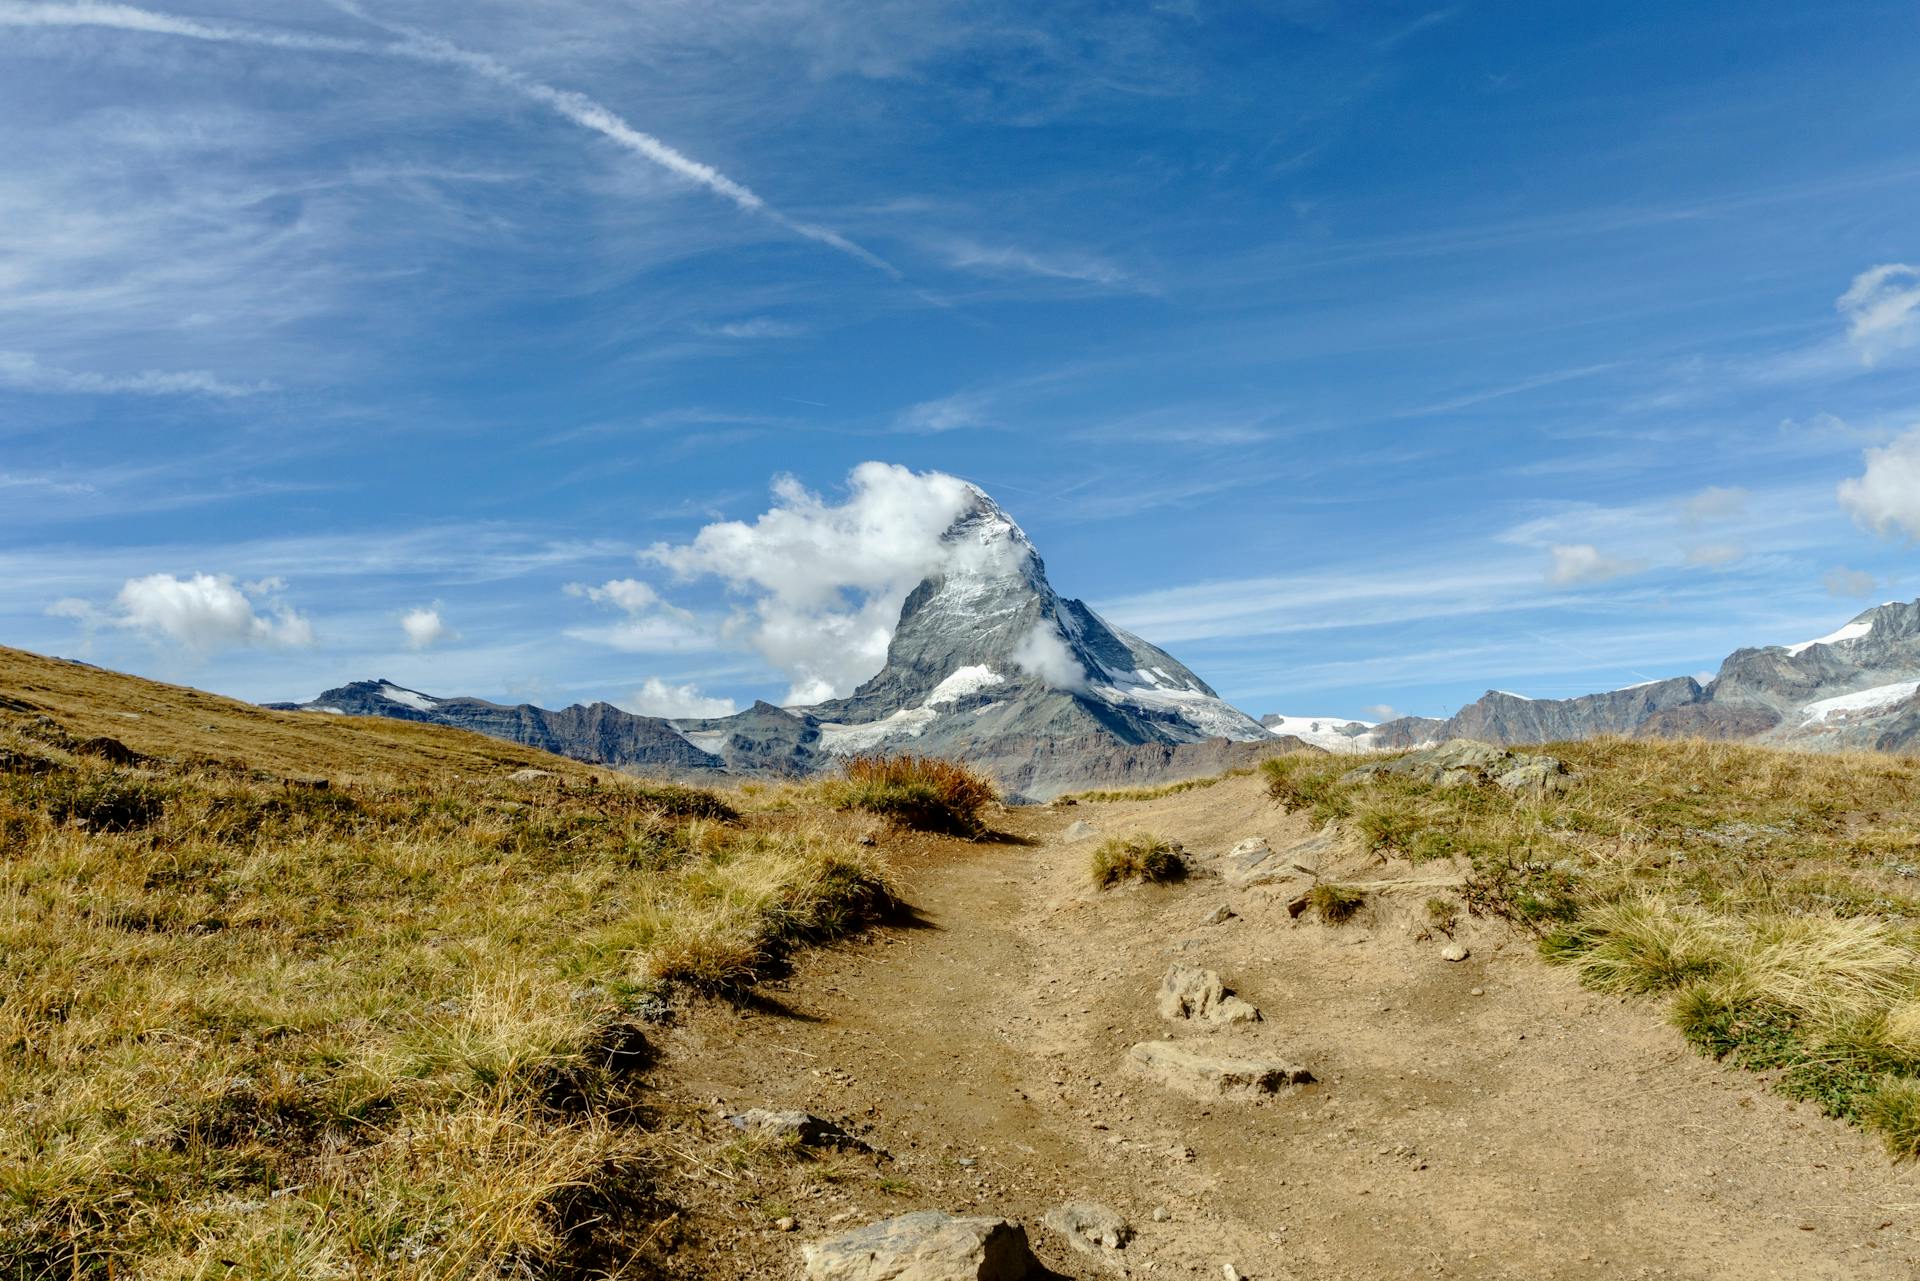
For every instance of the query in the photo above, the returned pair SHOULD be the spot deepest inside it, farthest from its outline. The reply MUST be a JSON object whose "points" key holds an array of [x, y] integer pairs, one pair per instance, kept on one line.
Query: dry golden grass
{"points": [[926, 793], [1144, 857], [389, 1027], [1769, 895]]}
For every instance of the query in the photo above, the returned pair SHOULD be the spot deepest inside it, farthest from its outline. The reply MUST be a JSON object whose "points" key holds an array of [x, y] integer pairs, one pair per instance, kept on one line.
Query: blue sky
{"points": [[1361, 355]]}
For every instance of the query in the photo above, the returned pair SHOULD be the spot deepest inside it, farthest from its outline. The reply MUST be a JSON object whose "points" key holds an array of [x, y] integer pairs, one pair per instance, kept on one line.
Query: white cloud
{"points": [[1043, 652], [425, 628], [1582, 563], [826, 581], [1882, 310], [201, 614], [657, 698], [1886, 497], [22, 371], [652, 625], [1382, 712], [1843, 582]]}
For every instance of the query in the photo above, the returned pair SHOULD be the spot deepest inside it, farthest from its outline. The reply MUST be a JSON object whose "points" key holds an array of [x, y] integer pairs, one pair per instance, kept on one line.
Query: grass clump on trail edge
{"points": [[1770, 897], [1335, 904], [383, 1024], [1137, 858], [925, 793]]}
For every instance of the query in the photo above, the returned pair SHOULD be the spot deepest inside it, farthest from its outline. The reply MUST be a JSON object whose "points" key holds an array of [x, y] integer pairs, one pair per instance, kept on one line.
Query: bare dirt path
{"points": [[1481, 1119]]}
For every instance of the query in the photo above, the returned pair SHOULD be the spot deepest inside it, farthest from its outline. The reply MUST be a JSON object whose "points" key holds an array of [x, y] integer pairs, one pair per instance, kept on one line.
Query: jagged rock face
{"points": [[1854, 688], [990, 665], [597, 732]]}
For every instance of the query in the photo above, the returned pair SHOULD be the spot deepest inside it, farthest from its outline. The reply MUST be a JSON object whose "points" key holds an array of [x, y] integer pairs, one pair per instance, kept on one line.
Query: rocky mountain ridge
{"points": [[1857, 687]]}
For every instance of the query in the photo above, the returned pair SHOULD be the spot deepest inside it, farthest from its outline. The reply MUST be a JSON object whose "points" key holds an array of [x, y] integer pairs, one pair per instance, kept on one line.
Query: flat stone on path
{"points": [[927, 1245], [1208, 1076], [1079, 830]]}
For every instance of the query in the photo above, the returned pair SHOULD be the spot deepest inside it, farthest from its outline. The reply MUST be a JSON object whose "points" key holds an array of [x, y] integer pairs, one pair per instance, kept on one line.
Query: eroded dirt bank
{"points": [[1480, 1119]]}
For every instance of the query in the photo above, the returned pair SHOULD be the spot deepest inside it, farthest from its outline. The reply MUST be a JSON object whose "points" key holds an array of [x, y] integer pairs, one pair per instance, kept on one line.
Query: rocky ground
{"points": [[1482, 1117]]}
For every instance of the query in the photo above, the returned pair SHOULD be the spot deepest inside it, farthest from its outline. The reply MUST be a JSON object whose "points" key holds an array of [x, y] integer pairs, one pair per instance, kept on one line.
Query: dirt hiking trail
{"points": [[1486, 1118]]}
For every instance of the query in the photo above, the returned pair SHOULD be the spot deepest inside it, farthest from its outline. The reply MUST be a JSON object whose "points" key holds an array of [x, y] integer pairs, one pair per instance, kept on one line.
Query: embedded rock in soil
{"points": [[1079, 830], [1218, 916], [1089, 1226], [796, 1126], [1208, 1077], [928, 1245]]}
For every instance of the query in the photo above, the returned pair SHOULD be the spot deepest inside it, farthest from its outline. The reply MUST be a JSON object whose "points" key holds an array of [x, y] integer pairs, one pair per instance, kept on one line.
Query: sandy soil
{"points": [[1481, 1119]]}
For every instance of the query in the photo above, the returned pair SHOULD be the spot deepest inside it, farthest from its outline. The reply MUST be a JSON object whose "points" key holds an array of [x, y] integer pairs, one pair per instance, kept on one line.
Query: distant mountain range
{"points": [[1855, 688], [988, 664]]}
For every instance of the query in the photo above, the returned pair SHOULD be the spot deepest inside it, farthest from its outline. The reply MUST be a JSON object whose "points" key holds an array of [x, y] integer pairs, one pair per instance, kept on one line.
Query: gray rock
{"points": [[1189, 992], [1254, 862], [1090, 1227], [1208, 1077], [1218, 916], [794, 1126], [1079, 830], [530, 775], [928, 1245], [1463, 762], [1454, 952]]}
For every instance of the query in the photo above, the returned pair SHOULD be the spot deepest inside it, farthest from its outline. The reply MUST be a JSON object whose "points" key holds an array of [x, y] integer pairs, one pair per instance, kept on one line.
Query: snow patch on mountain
{"points": [[963, 682], [1875, 699], [1852, 631], [1334, 733], [407, 698]]}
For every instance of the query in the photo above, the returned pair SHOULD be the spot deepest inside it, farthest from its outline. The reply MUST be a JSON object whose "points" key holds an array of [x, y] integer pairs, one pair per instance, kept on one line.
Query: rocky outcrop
{"points": [[598, 732], [1189, 992], [1461, 762]]}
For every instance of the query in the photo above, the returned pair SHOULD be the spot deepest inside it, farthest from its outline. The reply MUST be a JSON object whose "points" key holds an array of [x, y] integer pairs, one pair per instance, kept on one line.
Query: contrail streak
{"points": [[420, 46]]}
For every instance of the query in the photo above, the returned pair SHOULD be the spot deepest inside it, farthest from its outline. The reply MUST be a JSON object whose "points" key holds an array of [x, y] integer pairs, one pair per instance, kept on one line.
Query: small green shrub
{"points": [[1142, 858], [1335, 904]]}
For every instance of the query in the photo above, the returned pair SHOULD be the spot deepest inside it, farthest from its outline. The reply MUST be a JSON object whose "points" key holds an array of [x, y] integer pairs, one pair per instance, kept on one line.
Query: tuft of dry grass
{"points": [[1136, 858], [926, 793], [1768, 896], [389, 1026]]}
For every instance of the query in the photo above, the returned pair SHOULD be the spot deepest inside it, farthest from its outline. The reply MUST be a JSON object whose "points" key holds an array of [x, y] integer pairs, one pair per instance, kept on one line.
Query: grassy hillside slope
{"points": [[1771, 897], [298, 996]]}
